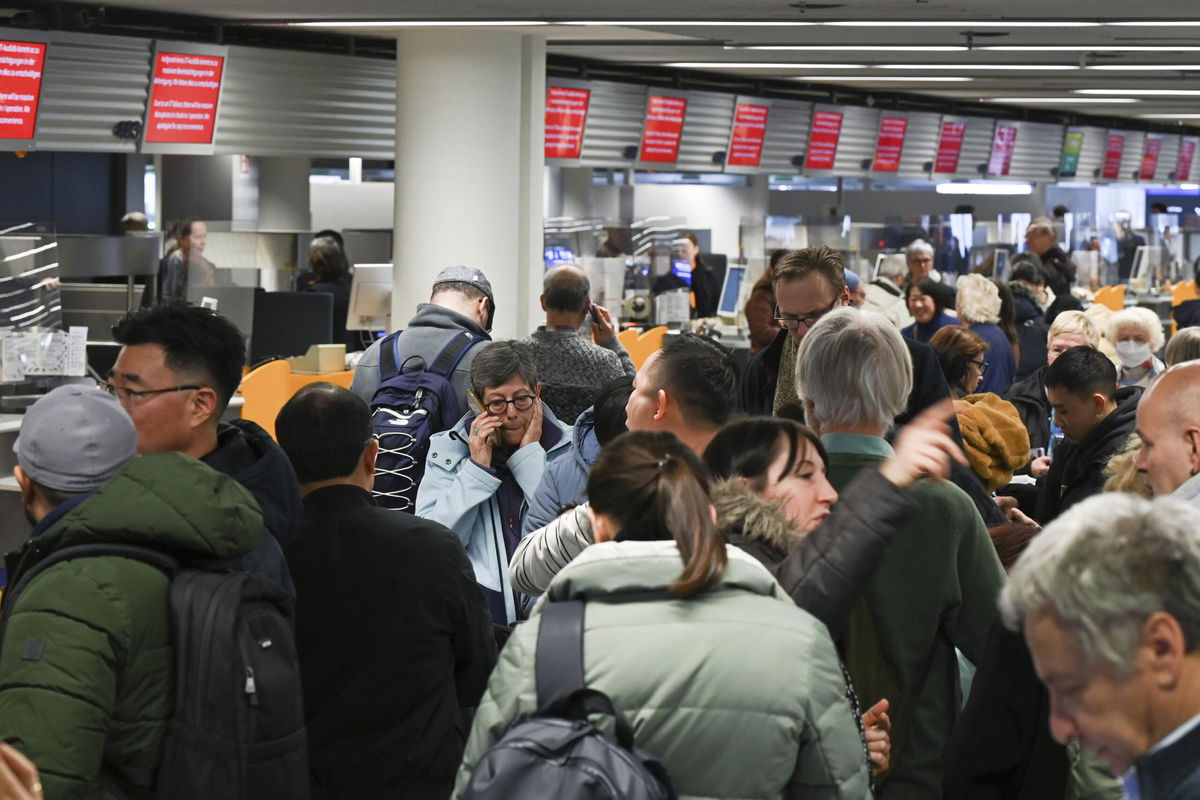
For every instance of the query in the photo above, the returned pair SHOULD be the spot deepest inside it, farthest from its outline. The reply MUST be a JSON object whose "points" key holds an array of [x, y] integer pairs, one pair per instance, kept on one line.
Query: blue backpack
{"points": [[412, 403]]}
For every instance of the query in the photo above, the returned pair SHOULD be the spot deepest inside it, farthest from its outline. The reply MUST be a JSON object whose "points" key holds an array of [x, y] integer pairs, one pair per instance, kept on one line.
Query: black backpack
{"points": [[557, 752], [237, 729], [412, 403]]}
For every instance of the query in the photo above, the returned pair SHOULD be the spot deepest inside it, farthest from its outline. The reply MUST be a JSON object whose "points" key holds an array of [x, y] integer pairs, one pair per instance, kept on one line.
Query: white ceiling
{"points": [[872, 57]]}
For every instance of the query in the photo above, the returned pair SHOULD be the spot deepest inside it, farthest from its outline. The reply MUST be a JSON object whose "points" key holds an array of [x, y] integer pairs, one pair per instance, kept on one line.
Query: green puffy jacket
{"points": [[736, 690], [86, 665]]}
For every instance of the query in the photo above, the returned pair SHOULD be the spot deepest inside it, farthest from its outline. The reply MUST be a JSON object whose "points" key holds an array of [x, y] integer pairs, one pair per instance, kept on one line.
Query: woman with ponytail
{"points": [[736, 690]]}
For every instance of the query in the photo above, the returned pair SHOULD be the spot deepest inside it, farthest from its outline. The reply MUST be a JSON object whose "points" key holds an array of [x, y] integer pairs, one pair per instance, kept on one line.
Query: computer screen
{"points": [[288, 323], [370, 298], [557, 255], [682, 268], [731, 292]]}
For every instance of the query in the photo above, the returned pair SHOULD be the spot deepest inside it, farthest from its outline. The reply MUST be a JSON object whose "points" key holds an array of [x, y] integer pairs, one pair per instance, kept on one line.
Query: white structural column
{"points": [[469, 167]]}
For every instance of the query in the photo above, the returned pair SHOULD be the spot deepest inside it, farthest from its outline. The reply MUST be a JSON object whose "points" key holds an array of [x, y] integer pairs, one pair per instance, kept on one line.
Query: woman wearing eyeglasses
{"points": [[960, 353], [481, 475]]}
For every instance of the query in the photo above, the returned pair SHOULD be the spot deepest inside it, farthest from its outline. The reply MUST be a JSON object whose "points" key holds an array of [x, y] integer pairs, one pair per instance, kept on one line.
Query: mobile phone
{"points": [[474, 404], [1037, 452], [595, 314]]}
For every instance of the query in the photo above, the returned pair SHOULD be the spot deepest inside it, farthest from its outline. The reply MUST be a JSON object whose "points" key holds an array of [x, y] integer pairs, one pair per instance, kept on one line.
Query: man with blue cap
{"points": [[87, 672]]}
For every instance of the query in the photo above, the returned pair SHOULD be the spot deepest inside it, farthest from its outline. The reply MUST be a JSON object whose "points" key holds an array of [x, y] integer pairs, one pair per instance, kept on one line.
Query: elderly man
{"points": [[918, 257], [855, 374], [885, 295], [572, 369], [1168, 420], [1057, 268], [1109, 599]]}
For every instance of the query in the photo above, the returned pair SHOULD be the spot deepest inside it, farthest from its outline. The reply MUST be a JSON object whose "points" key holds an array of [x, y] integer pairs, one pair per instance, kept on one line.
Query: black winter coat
{"points": [[1029, 397], [1077, 471], [1031, 332]]}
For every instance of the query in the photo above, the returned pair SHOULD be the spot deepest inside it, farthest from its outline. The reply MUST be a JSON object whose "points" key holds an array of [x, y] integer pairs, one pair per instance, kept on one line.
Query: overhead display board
{"points": [[1114, 150], [823, 138], [1068, 163], [663, 129], [566, 119], [185, 97], [21, 68], [1150, 150], [950, 142], [1187, 154], [1004, 144], [747, 134], [889, 144]]}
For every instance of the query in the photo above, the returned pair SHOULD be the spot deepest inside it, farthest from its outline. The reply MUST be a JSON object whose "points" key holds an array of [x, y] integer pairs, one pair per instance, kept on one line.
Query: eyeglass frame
{"points": [[489, 406], [983, 365], [111, 389], [809, 321]]}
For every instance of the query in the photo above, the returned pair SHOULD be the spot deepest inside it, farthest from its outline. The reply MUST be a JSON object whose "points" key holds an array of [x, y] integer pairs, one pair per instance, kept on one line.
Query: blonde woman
{"points": [[1137, 334], [978, 305]]}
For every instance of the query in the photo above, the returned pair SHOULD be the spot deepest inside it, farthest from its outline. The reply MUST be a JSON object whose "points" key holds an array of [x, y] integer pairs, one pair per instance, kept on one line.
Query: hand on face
{"points": [[482, 438], [533, 432]]}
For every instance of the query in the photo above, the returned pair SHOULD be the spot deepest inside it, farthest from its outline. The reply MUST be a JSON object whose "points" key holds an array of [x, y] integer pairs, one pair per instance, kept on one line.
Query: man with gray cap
{"points": [[462, 302], [87, 675]]}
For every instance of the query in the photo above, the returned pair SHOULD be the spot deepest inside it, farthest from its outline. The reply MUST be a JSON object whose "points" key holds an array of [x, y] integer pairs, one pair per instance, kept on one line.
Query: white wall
{"points": [[352, 205], [717, 208]]}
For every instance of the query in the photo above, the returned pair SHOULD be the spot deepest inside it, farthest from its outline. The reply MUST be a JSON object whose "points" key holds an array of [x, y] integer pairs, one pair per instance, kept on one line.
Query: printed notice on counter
{"points": [[749, 133], [20, 87], [183, 99], [566, 116], [823, 140], [1004, 143], [1113, 150], [33, 353], [663, 130], [1150, 151], [890, 143], [1187, 153], [949, 146]]}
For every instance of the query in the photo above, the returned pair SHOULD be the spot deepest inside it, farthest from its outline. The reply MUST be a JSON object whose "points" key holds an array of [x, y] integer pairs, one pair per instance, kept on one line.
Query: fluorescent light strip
{"points": [[1168, 116], [1086, 48], [674, 23], [1146, 67], [1059, 100], [1142, 92], [960, 23], [984, 188], [1167, 23], [756, 65], [886, 78], [407, 23], [973, 67], [874, 48]]}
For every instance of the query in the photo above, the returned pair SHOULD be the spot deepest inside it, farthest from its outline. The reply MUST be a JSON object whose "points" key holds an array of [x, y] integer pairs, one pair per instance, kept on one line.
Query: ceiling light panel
{"points": [[1059, 100]]}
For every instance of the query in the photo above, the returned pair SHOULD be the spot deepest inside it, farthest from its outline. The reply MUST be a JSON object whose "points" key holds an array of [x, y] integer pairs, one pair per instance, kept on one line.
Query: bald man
{"points": [[572, 369], [1168, 420]]}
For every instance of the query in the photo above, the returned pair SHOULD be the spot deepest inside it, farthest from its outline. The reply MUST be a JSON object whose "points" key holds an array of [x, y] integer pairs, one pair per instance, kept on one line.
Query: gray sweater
{"points": [[572, 370]]}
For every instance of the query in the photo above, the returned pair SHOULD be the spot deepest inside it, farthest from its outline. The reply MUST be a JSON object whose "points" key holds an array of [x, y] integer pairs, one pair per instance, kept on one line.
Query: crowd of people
{"points": [[930, 542]]}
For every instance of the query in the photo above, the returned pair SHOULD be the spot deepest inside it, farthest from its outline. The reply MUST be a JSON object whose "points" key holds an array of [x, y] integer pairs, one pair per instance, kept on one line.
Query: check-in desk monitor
{"points": [[370, 298], [288, 323], [731, 293]]}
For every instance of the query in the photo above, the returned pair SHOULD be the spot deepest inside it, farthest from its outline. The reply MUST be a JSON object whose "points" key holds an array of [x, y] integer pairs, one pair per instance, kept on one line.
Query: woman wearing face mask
{"points": [[1138, 335]]}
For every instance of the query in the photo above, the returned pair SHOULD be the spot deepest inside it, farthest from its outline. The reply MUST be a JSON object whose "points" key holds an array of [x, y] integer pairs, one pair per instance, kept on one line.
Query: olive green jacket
{"points": [[86, 663], [736, 690]]}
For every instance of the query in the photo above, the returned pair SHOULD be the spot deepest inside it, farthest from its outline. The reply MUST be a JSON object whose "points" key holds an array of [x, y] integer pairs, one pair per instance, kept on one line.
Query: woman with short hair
{"points": [[979, 305], [1137, 334], [927, 301]]}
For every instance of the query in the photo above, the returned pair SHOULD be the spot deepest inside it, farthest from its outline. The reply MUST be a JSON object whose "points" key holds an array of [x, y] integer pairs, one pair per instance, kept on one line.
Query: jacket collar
{"points": [[1189, 490], [336, 498], [742, 512], [1164, 769]]}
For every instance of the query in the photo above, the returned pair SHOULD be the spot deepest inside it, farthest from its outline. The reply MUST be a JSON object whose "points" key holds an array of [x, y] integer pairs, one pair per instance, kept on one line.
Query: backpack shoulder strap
{"points": [[389, 355], [558, 661], [453, 352]]}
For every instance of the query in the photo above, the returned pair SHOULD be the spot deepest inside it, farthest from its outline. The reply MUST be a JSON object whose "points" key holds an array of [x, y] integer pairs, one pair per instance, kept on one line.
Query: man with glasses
{"points": [[481, 475], [178, 368]]}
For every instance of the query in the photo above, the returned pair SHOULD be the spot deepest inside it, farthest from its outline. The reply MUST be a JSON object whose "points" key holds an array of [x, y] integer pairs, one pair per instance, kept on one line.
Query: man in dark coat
{"points": [[1096, 420], [1057, 268], [393, 634]]}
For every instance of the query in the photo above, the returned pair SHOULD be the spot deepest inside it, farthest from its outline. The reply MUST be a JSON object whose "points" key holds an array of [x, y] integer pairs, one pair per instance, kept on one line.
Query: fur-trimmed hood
{"points": [[743, 516]]}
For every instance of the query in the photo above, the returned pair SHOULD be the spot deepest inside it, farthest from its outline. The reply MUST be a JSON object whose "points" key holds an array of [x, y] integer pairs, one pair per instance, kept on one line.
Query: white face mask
{"points": [[1132, 354]]}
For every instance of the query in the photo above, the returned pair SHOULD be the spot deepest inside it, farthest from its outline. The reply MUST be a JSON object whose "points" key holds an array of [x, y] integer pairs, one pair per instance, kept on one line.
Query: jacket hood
{"points": [[742, 513], [1025, 305], [994, 437], [170, 501], [431, 315], [1110, 435], [270, 478], [617, 569], [585, 446]]}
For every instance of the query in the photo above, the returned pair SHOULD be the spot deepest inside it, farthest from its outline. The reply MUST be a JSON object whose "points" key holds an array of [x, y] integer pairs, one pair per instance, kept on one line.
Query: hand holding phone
{"points": [[603, 328], [484, 433]]}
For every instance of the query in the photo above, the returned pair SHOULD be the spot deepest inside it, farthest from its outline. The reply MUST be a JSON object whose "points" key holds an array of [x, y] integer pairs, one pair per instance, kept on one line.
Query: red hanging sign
{"points": [[183, 98], [1150, 152], [1112, 155], [1004, 143], [1187, 152], [749, 132], [20, 87], [566, 115], [663, 130], [949, 147], [890, 143], [823, 140]]}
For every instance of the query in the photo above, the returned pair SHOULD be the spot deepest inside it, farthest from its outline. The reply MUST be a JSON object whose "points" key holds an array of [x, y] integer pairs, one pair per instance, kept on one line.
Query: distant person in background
{"points": [[330, 274], [1059, 213], [1127, 244], [1137, 334], [1028, 293], [885, 295], [857, 288], [1057, 269], [1184, 346], [918, 257], [979, 307], [706, 279], [186, 265], [927, 300], [134, 221], [760, 307], [1187, 313]]}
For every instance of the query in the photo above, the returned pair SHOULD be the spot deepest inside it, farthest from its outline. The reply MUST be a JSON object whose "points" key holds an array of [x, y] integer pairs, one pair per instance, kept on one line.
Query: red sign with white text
{"points": [[1004, 143], [890, 143], [749, 132], [1150, 152], [1187, 152], [20, 87], [1112, 155], [664, 128], [823, 140], [566, 115], [183, 98], [949, 147]]}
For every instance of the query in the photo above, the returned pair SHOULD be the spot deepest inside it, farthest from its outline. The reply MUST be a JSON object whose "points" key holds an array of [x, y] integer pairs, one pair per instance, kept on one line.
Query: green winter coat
{"points": [[86, 665], [736, 690]]}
